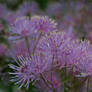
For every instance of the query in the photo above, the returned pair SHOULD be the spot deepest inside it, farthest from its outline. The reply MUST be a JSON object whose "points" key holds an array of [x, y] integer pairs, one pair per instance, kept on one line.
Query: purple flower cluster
{"points": [[44, 24], [22, 27], [54, 57], [83, 57], [42, 51]]}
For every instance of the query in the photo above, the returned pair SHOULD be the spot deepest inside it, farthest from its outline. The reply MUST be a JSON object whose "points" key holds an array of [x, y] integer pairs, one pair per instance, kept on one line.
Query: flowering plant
{"points": [[40, 53]]}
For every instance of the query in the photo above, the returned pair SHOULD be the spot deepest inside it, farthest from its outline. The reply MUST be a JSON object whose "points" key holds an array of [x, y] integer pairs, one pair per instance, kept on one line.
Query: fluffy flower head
{"points": [[28, 70], [22, 27], [82, 55], [22, 74], [43, 23]]}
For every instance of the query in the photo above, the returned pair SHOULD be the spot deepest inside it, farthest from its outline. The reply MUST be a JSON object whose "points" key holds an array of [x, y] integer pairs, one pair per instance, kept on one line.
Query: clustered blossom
{"points": [[22, 27], [29, 69], [83, 57], [38, 56], [44, 24], [53, 57], [61, 46]]}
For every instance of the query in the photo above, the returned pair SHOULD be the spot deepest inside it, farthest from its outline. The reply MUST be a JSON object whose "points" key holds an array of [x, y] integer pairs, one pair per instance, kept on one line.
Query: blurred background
{"points": [[71, 15]]}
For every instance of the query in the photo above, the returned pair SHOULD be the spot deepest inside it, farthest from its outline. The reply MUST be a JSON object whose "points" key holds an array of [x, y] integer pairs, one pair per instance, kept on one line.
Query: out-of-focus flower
{"points": [[82, 55], [3, 11], [55, 9], [22, 27], [43, 24], [11, 17], [29, 8], [3, 49], [79, 6]]}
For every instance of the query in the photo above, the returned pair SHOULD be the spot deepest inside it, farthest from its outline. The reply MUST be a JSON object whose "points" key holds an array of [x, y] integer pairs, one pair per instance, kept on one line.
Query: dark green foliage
{"points": [[43, 4]]}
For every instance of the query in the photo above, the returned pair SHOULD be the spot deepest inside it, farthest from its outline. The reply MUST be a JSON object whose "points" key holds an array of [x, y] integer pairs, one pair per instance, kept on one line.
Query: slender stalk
{"points": [[28, 45], [88, 85], [36, 43], [52, 67], [44, 81], [83, 81], [54, 90], [65, 76]]}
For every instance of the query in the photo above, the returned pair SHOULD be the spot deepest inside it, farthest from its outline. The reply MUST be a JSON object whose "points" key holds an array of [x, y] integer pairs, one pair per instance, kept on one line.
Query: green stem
{"points": [[44, 80], [65, 76], [52, 67], [88, 85], [54, 90], [28, 45], [36, 43]]}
